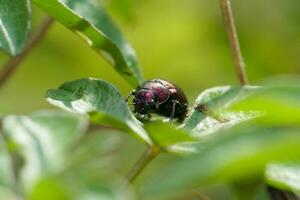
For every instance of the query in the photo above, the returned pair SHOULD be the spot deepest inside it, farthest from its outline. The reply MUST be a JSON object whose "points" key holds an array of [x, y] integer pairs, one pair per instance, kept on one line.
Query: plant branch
{"points": [[143, 161], [12, 64], [234, 42], [200, 196]]}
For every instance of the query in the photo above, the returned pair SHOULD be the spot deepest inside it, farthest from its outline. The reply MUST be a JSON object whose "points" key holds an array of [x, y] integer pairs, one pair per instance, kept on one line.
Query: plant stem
{"points": [[234, 42], [12, 64], [143, 161], [200, 196]]}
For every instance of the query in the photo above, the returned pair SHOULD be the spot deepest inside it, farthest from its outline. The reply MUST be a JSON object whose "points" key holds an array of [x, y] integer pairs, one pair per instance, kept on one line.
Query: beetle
{"points": [[161, 97]]}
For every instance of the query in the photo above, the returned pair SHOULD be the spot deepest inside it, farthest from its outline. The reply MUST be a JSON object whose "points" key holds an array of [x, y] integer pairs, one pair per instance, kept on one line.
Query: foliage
{"points": [[233, 135], [90, 21], [14, 32]]}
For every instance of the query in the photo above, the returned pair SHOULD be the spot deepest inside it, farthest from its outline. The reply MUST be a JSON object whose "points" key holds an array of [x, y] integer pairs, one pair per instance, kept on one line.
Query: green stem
{"points": [[234, 42], [143, 161], [12, 64], [200, 196]]}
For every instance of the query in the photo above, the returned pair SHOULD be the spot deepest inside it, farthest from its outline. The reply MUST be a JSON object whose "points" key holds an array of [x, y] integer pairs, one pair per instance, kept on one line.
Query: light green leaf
{"points": [[236, 154], [169, 138], [95, 147], [210, 125], [101, 101], [285, 176], [14, 25], [8, 194], [90, 21], [49, 189], [209, 111], [80, 185], [101, 189], [279, 103], [6, 173], [92, 181], [42, 141], [7, 179]]}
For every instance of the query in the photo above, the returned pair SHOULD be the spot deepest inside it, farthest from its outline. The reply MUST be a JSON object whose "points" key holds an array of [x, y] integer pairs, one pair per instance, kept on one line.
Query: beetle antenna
{"points": [[133, 92]]}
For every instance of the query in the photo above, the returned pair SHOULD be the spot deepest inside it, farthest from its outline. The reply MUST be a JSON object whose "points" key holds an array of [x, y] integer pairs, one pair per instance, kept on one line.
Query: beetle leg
{"points": [[133, 92], [148, 116], [143, 117], [173, 109]]}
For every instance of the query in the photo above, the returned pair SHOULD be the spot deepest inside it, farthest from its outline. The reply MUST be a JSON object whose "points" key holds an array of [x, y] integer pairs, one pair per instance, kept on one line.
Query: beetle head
{"points": [[145, 101]]}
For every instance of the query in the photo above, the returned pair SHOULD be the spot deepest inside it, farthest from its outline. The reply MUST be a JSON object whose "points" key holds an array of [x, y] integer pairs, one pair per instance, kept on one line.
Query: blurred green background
{"points": [[183, 41]]}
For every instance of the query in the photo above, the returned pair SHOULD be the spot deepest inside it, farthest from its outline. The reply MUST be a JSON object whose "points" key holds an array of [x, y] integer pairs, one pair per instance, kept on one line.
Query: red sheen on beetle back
{"points": [[160, 97]]}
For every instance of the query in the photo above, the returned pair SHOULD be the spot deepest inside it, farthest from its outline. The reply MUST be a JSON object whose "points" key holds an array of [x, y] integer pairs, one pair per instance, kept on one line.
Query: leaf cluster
{"points": [[232, 134]]}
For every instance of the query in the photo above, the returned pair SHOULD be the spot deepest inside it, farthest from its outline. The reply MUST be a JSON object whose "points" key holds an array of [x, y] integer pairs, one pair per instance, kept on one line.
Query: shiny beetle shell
{"points": [[160, 97]]}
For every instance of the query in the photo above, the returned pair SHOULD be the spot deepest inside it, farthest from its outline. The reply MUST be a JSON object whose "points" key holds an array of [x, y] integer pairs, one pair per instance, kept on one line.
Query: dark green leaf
{"points": [[169, 138], [43, 140], [236, 154], [14, 25], [101, 101], [285, 176], [89, 20]]}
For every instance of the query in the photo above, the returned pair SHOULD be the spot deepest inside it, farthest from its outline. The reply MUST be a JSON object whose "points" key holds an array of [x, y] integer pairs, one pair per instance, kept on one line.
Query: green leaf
{"points": [[8, 194], [88, 186], [82, 183], [236, 154], [210, 125], [279, 103], [92, 181], [209, 111], [101, 101], [78, 188], [58, 161], [49, 189], [7, 180], [6, 173], [14, 25], [169, 138], [42, 141], [90, 21], [95, 147], [285, 176]]}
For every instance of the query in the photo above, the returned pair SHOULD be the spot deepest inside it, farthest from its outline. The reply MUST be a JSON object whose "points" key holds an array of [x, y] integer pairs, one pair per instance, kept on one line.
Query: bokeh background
{"points": [[180, 40]]}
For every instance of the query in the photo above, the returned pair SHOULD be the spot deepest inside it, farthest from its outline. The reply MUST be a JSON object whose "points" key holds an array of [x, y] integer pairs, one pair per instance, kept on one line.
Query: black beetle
{"points": [[160, 97]]}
